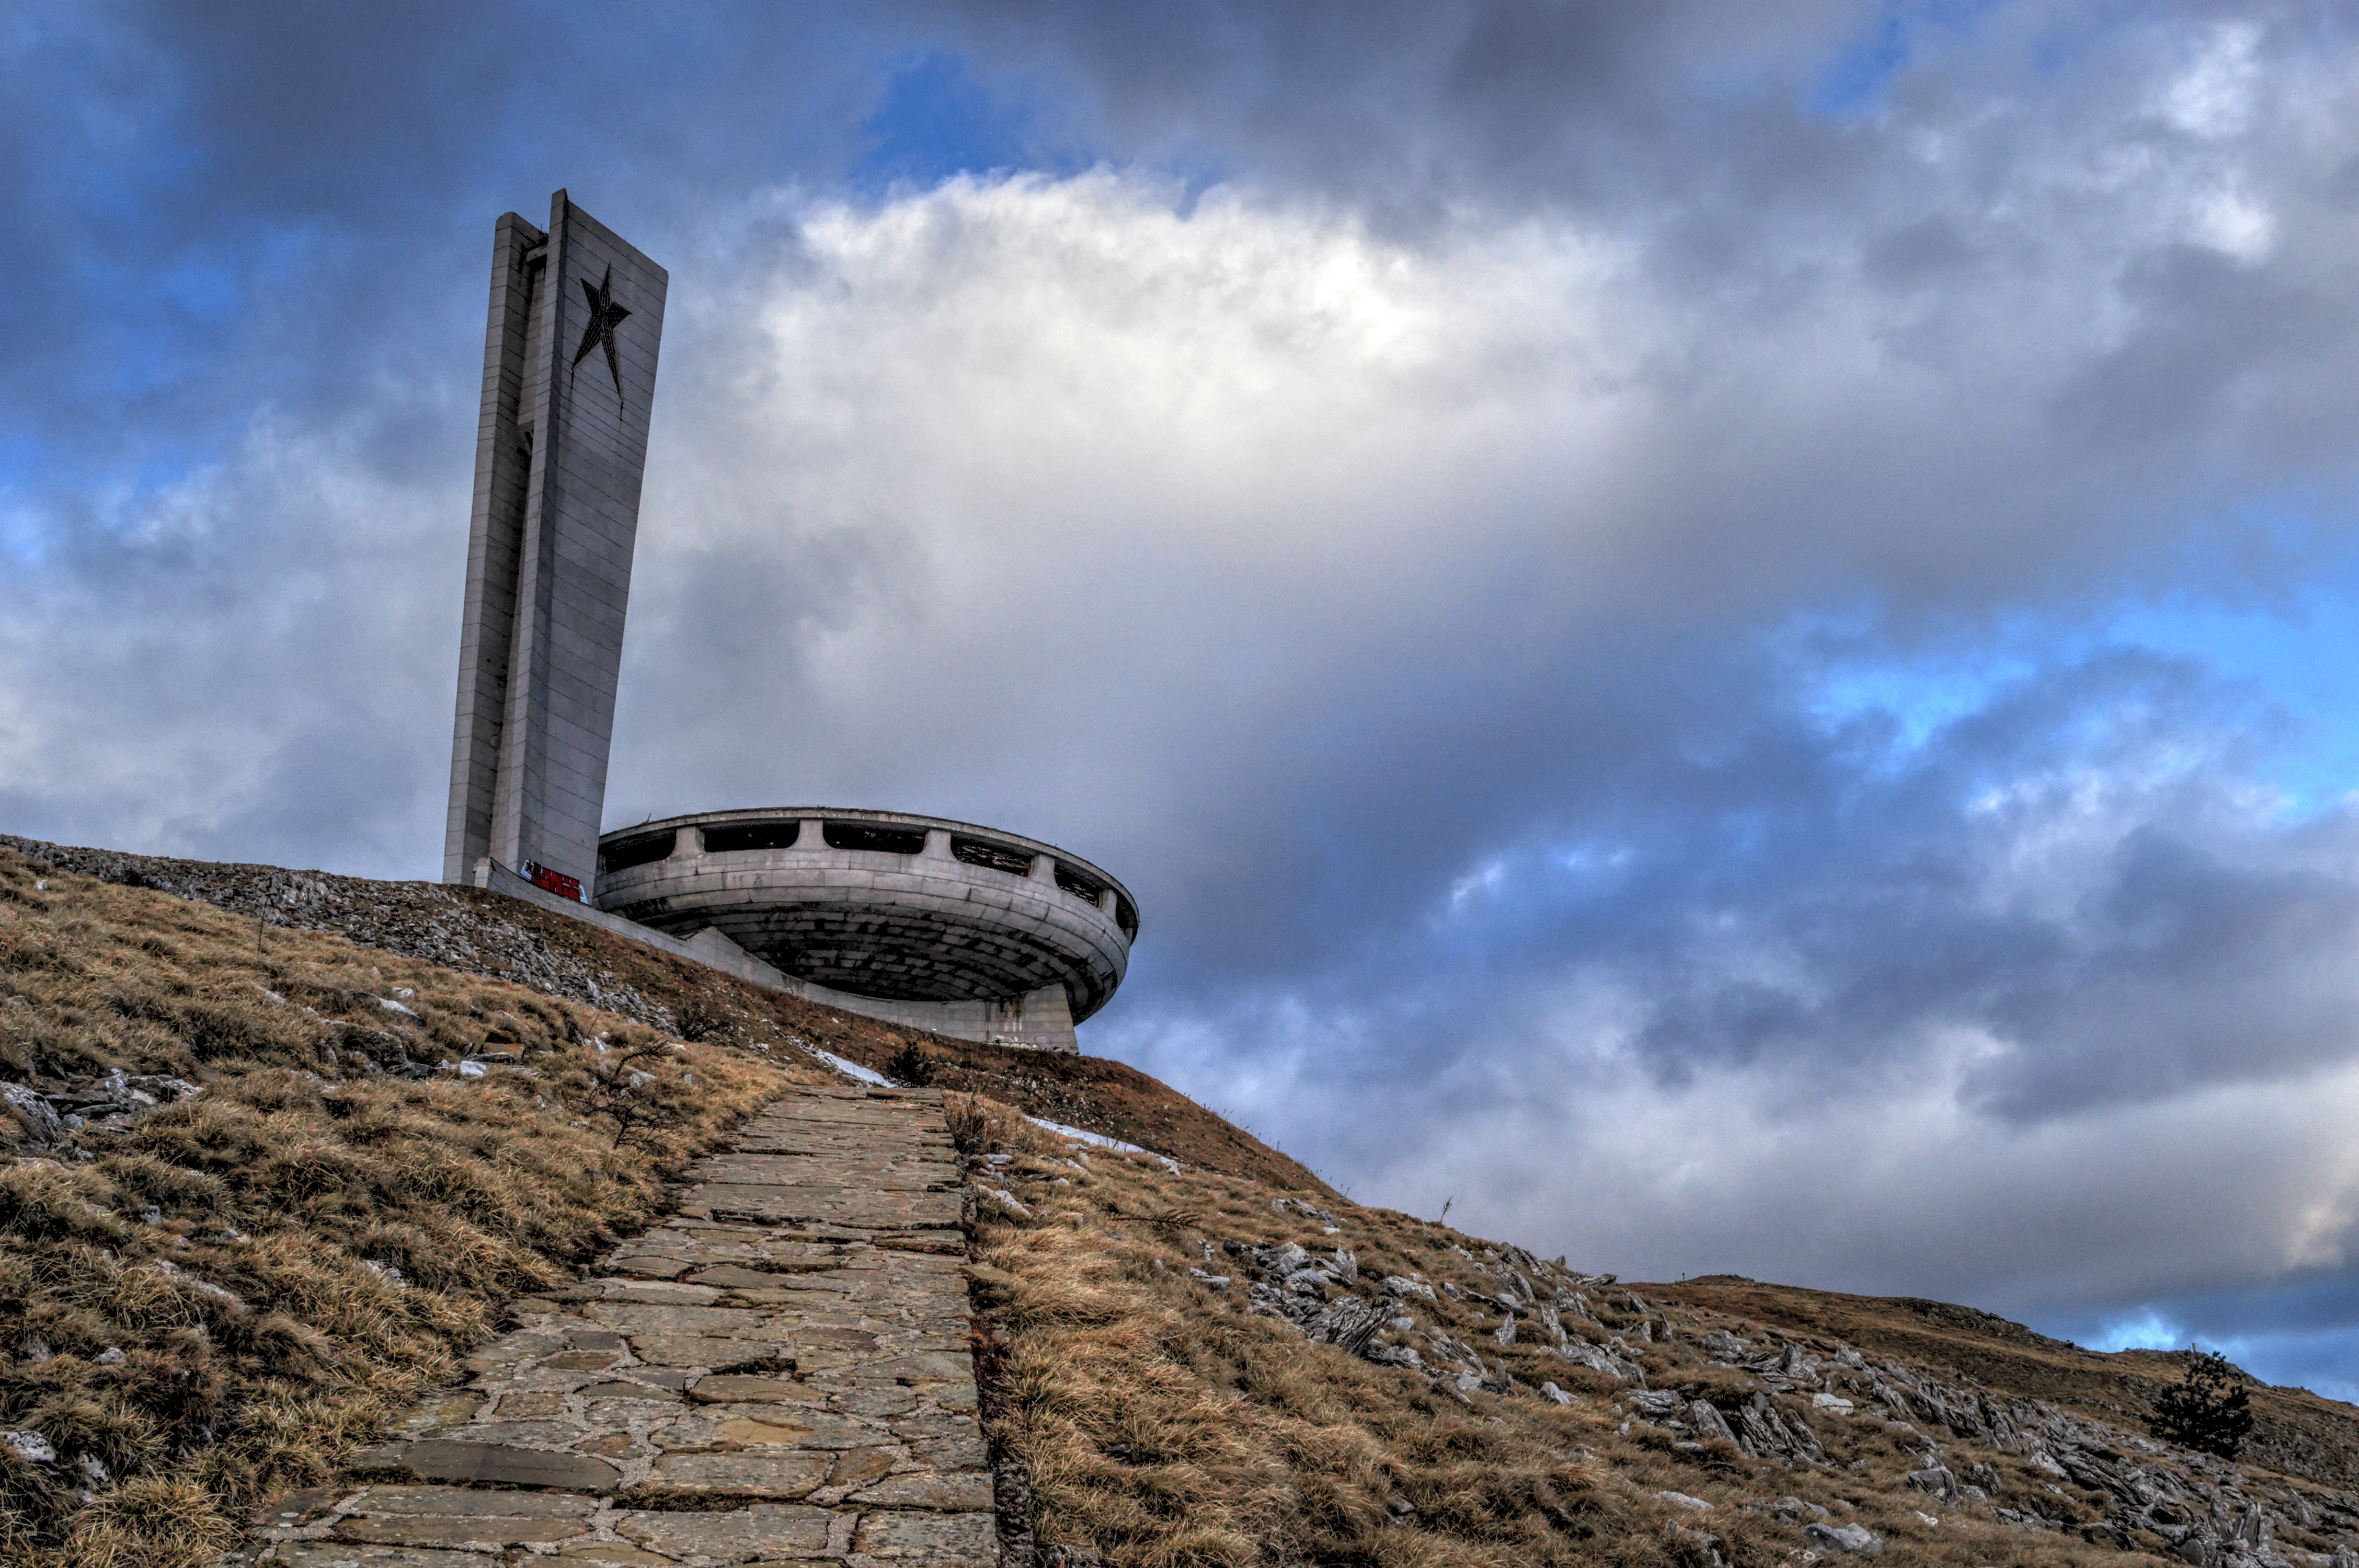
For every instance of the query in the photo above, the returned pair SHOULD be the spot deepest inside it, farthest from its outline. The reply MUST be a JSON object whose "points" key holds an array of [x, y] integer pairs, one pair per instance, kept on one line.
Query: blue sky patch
{"points": [[938, 122]]}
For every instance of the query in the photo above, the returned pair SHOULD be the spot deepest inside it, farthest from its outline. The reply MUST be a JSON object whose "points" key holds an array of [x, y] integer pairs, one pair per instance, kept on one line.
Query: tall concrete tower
{"points": [[569, 380]]}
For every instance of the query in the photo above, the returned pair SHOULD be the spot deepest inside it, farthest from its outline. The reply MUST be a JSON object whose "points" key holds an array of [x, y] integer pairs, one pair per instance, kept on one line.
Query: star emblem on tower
{"points": [[605, 317]]}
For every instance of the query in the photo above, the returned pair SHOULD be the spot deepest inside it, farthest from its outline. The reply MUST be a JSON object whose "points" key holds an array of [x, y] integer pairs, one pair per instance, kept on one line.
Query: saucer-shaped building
{"points": [[944, 923]]}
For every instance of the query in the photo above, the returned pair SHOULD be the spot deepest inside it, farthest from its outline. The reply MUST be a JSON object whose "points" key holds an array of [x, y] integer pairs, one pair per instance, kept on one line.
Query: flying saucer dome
{"points": [[879, 903]]}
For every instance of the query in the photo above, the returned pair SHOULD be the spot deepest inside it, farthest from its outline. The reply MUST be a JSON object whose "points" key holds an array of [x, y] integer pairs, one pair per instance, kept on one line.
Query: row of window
{"points": [[784, 833]]}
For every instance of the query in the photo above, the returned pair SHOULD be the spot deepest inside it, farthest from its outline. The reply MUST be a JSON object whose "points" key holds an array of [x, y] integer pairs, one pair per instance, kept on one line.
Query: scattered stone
{"points": [[1007, 1201], [1844, 1538], [29, 1446], [42, 1126], [1935, 1479], [1705, 1421]]}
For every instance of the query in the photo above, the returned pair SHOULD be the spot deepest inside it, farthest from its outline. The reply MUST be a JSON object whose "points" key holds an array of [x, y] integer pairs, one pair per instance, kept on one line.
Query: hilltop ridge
{"points": [[291, 1143], [479, 933]]}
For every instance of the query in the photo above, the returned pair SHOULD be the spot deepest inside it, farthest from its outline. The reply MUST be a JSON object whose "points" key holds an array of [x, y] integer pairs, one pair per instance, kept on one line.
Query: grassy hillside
{"points": [[288, 1206], [1164, 1379], [278, 1217]]}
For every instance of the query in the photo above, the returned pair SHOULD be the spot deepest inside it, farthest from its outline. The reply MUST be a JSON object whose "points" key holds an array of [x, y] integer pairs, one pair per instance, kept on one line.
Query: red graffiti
{"points": [[558, 882]]}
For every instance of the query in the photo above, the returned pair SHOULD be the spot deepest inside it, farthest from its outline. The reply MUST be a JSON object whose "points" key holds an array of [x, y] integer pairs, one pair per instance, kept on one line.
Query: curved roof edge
{"points": [[868, 814]]}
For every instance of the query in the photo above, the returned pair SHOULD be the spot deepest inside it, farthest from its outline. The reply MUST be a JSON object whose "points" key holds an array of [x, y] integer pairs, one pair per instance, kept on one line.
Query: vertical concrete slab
{"points": [[568, 384]]}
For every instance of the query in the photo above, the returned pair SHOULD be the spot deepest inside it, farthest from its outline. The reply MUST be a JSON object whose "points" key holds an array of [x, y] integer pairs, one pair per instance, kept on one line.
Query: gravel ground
{"points": [[454, 927]]}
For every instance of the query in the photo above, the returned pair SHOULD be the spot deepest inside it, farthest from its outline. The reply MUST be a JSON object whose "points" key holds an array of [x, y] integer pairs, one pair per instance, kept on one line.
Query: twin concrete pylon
{"points": [[569, 382]]}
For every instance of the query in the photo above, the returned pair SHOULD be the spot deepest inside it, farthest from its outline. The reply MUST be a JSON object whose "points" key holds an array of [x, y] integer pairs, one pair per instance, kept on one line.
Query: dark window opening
{"points": [[752, 836], [1080, 886], [868, 836], [998, 856], [1125, 918], [632, 852]]}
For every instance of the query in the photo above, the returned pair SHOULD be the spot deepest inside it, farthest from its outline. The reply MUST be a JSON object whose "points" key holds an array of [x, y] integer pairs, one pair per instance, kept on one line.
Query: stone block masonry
{"points": [[781, 1373], [569, 382]]}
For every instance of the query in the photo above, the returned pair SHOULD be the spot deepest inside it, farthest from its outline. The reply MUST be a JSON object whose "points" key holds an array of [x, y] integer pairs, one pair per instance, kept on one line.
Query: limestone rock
{"points": [[31, 1446], [1844, 1538]]}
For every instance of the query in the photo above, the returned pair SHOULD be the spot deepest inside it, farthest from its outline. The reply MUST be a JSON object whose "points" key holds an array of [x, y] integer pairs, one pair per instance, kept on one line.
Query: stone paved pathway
{"points": [[779, 1374]]}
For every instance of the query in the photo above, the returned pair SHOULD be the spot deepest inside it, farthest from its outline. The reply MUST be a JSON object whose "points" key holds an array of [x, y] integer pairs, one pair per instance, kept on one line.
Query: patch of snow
{"points": [[1100, 1140], [851, 1070]]}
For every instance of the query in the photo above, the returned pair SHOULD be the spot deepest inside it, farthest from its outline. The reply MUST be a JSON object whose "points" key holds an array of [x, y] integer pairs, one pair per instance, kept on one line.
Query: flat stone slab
{"points": [[733, 1537], [781, 1373], [759, 1474], [339, 1554], [500, 1462], [831, 1205]]}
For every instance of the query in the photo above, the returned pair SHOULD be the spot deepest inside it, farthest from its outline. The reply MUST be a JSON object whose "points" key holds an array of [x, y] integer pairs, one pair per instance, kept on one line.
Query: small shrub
{"points": [[2210, 1411], [910, 1067], [971, 1125]]}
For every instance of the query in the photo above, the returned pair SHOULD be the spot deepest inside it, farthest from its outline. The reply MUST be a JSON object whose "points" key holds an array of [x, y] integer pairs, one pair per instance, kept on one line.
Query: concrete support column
{"points": [[1044, 868], [938, 843], [813, 835], [1105, 900]]}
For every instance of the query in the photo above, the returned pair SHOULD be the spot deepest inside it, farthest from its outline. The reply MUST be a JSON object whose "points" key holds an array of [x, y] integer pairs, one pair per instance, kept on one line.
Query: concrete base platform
{"points": [[1038, 1021]]}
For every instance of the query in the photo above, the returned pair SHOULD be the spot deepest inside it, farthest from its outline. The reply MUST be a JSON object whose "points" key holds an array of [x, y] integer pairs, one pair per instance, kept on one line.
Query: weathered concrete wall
{"points": [[1039, 1019], [569, 379]]}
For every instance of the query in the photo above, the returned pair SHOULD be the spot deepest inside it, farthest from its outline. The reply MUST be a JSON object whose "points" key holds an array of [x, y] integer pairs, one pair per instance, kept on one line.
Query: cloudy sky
{"points": [[1724, 632]]}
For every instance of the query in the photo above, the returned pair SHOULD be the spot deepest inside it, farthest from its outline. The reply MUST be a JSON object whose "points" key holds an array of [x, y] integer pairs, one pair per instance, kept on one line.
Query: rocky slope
{"points": [[2294, 1431], [1336, 1380]]}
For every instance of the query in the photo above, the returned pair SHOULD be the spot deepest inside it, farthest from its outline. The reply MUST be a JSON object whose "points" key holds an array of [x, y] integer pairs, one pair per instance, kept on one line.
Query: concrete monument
{"points": [[569, 382], [966, 931]]}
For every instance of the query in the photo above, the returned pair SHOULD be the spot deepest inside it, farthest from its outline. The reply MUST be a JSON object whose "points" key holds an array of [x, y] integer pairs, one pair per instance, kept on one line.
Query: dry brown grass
{"points": [[1164, 1425], [257, 1341]]}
